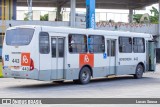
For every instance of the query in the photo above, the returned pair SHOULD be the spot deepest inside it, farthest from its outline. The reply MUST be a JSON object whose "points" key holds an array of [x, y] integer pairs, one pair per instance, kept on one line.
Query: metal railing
{"points": [[132, 27]]}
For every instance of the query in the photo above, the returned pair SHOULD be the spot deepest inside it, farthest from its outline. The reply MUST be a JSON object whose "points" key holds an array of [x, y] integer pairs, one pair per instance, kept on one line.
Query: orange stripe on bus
{"points": [[86, 59]]}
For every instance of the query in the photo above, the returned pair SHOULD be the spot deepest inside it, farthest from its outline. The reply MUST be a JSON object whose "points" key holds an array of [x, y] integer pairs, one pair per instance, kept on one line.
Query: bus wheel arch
{"points": [[140, 69], [91, 70], [141, 63], [85, 74]]}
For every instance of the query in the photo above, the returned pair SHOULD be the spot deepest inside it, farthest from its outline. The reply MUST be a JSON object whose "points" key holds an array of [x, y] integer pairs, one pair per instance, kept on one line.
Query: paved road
{"points": [[120, 87]]}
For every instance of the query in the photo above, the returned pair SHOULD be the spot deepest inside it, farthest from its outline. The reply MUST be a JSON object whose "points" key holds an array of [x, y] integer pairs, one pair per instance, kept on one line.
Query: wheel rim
{"points": [[139, 71], [85, 76]]}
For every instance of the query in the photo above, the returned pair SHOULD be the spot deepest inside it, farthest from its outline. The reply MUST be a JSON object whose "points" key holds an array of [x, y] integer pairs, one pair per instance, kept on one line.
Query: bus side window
{"points": [[138, 45], [125, 44], [77, 43], [96, 44], [44, 43]]}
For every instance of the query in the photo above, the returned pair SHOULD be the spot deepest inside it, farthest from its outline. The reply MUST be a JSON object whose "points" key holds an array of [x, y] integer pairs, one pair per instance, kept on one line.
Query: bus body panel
{"points": [[100, 66], [72, 66], [128, 62]]}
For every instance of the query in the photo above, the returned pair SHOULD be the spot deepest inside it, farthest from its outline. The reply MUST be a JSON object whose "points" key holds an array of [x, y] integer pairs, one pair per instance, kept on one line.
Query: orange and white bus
{"points": [[59, 53]]}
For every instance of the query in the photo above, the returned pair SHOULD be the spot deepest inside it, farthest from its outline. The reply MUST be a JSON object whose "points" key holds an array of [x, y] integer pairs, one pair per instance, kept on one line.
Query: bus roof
{"points": [[84, 31]]}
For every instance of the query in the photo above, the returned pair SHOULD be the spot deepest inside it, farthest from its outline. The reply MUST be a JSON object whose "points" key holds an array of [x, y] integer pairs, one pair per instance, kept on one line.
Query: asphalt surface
{"points": [[119, 87]]}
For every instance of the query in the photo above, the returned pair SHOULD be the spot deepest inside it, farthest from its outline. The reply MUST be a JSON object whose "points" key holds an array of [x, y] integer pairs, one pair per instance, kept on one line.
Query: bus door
{"points": [[57, 57], [111, 52], [151, 56]]}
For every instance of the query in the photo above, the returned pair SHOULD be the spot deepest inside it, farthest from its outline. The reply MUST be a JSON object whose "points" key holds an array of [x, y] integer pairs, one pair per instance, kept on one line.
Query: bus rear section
{"points": [[19, 50]]}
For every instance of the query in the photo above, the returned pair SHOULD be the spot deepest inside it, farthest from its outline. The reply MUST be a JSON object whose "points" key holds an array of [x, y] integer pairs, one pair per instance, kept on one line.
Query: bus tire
{"points": [[139, 71], [76, 81], [59, 82], [85, 75]]}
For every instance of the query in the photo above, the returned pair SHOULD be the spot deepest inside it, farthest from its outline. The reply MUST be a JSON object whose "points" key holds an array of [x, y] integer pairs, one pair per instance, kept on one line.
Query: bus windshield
{"points": [[19, 36]]}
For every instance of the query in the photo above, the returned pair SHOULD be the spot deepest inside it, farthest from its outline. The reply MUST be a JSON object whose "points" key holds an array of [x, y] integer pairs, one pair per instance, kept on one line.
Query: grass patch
{"points": [[1, 70]]}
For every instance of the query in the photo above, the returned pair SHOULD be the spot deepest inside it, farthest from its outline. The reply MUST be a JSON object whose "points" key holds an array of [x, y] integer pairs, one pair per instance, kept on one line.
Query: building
{"points": [[8, 14]]}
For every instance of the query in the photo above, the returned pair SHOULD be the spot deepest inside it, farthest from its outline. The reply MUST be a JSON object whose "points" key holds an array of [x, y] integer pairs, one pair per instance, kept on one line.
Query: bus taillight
{"points": [[32, 65]]}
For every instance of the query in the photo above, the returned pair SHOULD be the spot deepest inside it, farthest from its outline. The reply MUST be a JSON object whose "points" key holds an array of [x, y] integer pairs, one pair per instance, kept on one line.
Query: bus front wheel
{"points": [[139, 71], [85, 75]]}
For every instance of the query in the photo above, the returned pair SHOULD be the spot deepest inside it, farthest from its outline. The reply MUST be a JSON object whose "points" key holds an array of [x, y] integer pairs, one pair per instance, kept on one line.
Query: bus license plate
{"points": [[25, 68]]}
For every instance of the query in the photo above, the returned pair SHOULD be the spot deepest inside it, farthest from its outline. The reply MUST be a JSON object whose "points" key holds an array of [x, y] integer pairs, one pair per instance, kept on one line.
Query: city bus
{"points": [[59, 53]]}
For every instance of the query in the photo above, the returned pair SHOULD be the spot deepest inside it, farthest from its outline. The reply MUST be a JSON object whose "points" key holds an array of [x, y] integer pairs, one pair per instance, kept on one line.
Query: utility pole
{"points": [[29, 2], [3, 26]]}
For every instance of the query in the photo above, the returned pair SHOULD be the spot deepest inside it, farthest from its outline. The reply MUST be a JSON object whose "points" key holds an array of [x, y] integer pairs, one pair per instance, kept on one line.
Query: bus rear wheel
{"points": [[139, 71], [85, 75]]}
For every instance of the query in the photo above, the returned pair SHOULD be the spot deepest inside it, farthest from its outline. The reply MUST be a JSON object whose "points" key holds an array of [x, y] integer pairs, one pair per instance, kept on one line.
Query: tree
{"points": [[137, 17], [155, 11], [26, 17], [44, 18], [153, 19]]}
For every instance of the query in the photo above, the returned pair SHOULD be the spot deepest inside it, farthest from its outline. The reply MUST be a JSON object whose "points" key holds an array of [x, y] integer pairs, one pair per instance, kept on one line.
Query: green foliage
{"points": [[154, 11], [1, 70], [26, 17], [44, 18], [137, 17], [153, 19]]}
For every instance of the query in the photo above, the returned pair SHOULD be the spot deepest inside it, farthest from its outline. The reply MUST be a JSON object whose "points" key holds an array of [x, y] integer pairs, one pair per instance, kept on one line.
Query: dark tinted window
{"points": [[138, 45], [19, 36], [1, 38], [108, 48], [60, 43], [113, 47], [96, 44], [125, 44], [44, 43], [54, 42], [77, 43], [61, 47]]}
